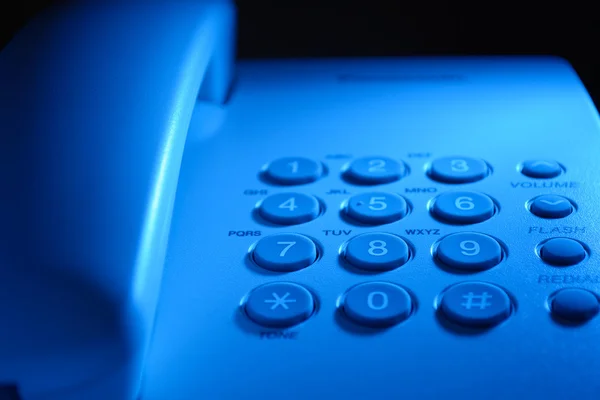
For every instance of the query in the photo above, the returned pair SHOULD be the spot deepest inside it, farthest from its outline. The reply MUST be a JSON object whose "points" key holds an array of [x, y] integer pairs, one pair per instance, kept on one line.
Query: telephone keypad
{"points": [[279, 304], [458, 169], [562, 252], [374, 170], [463, 207], [376, 251], [285, 252], [377, 304], [289, 208], [376, 208], [541, 169], [551, 206], [469, 251], [293, 171], [475, 304]]}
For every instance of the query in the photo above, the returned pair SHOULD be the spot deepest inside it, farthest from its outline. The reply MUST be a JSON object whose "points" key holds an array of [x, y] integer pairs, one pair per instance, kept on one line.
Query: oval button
{"points": [[458, 169], [575, 305], [475, 304], [374, 170], [285, 252], [376, 251], [541, 169], [293, 171], [289, 208], [463, 207], [279, 304], [376, 208], [469, 251], [377, 304], [551, 206], [562, 252]]}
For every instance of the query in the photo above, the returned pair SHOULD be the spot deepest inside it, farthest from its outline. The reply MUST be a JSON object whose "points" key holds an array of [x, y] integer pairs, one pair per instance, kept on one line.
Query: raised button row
{"points": [[379, 170], [383, 304], [378, 251], [376, 208]]}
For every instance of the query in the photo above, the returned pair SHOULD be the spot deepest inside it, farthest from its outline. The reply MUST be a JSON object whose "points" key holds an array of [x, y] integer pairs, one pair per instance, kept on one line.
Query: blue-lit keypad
{"points": [[541, 169], [469, 251], [376, 251], [575, 305], [463, 207], [374, 170], [562, 252], [376, 208], [285, 252], [377, 304], [458, 169], [551, 206], [293, 171], [289, 208], [279, 304], [475, 304]]}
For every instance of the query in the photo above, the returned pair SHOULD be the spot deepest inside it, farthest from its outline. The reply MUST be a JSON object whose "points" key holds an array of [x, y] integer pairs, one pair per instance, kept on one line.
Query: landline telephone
{"points": [[378, 228]]}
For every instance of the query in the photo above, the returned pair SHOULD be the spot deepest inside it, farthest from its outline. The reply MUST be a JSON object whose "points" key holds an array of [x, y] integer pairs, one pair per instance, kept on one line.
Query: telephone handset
{"points": [[377, 228]]}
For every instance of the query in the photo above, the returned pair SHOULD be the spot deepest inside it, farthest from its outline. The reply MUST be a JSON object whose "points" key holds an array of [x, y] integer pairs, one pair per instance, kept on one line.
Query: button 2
{"points": [[463, 207], [377, 304], [376, 208], [475, 304], [289, 208], [293, 171], [542, 169], [469, 251], [279, 305], [285, 252], [551, 206], [374, 170], [458, 169], [376, 252]]}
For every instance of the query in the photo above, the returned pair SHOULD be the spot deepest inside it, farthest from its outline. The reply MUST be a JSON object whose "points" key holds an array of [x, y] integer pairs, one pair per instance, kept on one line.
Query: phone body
{"points": [[196, 227]]}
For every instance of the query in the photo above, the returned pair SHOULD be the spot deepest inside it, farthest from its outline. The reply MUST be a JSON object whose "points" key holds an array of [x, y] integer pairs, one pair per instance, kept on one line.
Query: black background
{"points": [[346, 29]]}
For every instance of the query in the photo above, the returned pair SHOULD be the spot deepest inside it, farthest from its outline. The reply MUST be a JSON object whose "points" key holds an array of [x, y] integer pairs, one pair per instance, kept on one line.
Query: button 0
{"points": [[293, 171], [458, 169], [542, 169], [463, 207], [289, 208], [279, 304], [562, 252], [374, 170], [376, 251], [551, 206], [377, 304], [285, 252], [376, 208], [575, 305], [475, 304], [469, 251]]}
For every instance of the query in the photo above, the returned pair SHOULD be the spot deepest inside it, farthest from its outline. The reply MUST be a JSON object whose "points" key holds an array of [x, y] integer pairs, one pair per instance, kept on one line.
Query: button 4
{"points": [[289, 208]]}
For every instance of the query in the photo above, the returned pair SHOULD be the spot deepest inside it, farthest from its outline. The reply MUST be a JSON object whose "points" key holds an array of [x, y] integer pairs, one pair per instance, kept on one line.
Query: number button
{"points": [[289, 208], [469, 251], [377, 304], [279, 305], [475, 304], [376, 208], [463, 207], [458, 170], [551, 206], [541, 169], [376, 252], [374, 170], [285, 252], [293, 171]]}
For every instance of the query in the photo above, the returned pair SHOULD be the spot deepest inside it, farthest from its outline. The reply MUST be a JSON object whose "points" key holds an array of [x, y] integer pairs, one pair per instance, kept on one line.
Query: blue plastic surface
{"points": [[458, 169], [376, 208], [542, 169], [575, 305], [475, 304], [285, 252], [377, 304], [562, 252], [376, 251], [551, 206], [279, 304], [463, 207]]}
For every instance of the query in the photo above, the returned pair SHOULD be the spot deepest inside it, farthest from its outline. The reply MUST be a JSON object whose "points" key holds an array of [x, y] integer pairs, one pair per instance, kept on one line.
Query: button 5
{"points": [[376, 208]]}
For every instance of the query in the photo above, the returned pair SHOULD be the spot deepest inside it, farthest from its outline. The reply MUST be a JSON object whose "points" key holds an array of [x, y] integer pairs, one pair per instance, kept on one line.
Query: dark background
{"points": [[339, 29]]}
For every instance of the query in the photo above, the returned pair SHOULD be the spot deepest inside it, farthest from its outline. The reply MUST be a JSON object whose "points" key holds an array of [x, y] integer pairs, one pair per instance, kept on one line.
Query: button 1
{"points": [[469, 251], [551, 206], [543, 169], [562, 252], [463, 207], [279, 304], [376, 252], [475, 304], [293, 171], [289, 208], [374, 170], [575, 305], [376, 208], [377, 304], [285, 252], [458, 169]]}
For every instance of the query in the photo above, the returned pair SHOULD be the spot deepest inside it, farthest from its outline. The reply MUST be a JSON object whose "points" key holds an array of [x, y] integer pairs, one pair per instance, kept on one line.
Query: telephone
{"points": [[179, 226]]}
